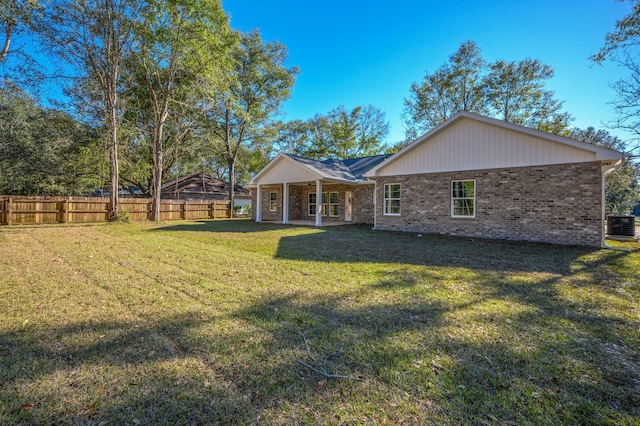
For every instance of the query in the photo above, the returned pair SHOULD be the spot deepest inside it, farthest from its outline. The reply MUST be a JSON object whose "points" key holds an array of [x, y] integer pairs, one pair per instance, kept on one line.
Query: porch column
{"points": [[319, 202], [285, 203], [259, 204]]}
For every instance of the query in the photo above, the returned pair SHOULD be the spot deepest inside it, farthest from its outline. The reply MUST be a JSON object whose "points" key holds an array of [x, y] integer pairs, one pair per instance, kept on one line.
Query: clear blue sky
{"points": [[353, 52]]}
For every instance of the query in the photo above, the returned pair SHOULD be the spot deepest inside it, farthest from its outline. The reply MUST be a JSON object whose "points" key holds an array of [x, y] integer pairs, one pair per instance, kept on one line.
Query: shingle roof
{"points": [[350, 169], [200, 183]]}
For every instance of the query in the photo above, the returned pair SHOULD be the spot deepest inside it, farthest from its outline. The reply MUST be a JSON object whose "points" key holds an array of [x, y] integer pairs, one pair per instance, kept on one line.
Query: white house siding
{"points": [[555, 203], [286, 170], [473, 145]]}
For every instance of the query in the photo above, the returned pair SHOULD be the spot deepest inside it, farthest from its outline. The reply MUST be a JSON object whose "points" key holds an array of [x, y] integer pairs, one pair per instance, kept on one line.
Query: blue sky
{"points": [[353, 52]]}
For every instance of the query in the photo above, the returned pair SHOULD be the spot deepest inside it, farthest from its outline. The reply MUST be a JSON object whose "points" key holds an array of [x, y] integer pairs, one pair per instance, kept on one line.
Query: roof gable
{"points": [[472, 142], [293, 168]]}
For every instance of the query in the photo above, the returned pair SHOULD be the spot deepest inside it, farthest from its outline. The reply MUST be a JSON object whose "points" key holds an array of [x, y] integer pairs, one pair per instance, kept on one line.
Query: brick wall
{"points": [[362, 202], [267, 215], [558, 204]]}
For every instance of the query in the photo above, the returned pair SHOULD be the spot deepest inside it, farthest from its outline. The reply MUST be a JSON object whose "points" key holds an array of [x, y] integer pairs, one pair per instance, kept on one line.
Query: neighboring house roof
{"points": [[470, 141], [293, 168], [200, 183]]}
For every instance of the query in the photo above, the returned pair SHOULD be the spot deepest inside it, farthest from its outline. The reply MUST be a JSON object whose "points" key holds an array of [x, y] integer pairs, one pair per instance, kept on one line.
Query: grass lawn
{"points": [[210, 323]]}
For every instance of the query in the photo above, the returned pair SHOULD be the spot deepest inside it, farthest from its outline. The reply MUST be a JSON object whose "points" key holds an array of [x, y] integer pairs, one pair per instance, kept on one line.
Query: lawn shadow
{"points": [[222, 225], [361, 244]]}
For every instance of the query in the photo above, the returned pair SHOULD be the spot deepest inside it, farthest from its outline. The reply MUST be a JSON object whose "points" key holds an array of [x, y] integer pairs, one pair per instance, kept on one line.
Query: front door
{"points": [[347, 206]]}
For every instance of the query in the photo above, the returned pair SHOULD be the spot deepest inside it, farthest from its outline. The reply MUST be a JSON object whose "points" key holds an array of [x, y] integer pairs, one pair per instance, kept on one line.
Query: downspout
{"points": [[375, 204]]}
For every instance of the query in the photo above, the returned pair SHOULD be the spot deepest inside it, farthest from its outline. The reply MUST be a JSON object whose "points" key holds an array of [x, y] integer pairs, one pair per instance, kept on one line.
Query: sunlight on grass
{"points": [[206, 322]]}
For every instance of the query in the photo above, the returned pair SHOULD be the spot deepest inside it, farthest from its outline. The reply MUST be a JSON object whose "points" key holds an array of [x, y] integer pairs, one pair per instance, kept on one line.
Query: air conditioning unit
{"points": [[621, 226]]}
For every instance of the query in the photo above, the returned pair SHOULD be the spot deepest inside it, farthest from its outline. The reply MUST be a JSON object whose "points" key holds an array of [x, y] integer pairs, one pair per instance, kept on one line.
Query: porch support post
{"points": [[285, 203], [319, 202], [259, 204]]}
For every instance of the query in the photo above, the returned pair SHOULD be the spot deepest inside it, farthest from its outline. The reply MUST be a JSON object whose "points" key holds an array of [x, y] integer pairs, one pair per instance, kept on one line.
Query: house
{"points": [[201, 186], [471, 176]]}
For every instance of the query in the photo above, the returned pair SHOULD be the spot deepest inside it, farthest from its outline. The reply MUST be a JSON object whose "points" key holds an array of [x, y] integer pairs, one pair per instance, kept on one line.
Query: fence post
{"points": [[65, 210], [184, 210], [9, 210]]}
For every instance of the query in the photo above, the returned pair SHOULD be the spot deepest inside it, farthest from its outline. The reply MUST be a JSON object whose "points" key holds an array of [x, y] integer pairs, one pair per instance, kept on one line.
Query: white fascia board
{"points": [[601, 153], [272, 163]]}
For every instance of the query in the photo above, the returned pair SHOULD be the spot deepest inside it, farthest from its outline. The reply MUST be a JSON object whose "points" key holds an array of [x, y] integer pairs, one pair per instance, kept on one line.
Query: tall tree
{"points": [[622, 45], [516, 93], [338, 134], [93, 37], [455, 86], [241, 109], [180, 45], [512, 91], [15, 15], [622, 186]]}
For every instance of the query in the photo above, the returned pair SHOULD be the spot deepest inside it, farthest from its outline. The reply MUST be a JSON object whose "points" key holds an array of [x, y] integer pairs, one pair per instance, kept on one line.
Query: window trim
{"points": [[453, 199], [309, 204], [385, 199], [273, 201]]}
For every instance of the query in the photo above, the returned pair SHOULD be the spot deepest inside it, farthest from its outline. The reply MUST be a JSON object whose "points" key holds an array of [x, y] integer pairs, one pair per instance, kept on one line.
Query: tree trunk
{"points": [[232, 183], [157, 173], [113, 173]]}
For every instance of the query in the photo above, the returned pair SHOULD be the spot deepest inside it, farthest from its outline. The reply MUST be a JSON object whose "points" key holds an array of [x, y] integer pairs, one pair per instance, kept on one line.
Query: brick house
{"points": [[470, 176]]}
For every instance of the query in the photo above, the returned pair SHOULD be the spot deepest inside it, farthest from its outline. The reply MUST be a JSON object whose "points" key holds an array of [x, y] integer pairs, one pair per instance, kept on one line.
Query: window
{"points": [[463, 198], [333, 204], [273, 201], [392, 199], [312, 204]]}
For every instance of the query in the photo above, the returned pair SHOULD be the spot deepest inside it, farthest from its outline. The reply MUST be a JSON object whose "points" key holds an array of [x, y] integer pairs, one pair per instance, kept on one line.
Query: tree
{"points": [[43, 151], [338, 134], [516, 94], [455, 86], [512, 91], [622, 186], [622, 46], [240, 110], [15, 15], [93, 37], [180, 45]]}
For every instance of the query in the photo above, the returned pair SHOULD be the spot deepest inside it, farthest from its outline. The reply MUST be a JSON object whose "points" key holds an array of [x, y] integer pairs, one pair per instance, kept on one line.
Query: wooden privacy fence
{"points": [[19, 210]]}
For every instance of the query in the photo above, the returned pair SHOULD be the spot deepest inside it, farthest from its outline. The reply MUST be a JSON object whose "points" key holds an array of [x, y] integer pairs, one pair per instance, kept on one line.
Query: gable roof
{"points": [[348, 171], [200, 183], [469, 141]]}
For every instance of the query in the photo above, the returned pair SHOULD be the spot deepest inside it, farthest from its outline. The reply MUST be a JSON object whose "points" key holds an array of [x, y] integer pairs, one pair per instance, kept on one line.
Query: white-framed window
{"points": [[273, 201], [392, 199], [333, 204], [312, 204], [463, 198]]}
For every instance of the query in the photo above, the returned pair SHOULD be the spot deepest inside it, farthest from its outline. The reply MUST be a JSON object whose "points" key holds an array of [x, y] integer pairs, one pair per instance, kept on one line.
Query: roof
{"points": [[597, 153], [200, 183], [349, 171]]}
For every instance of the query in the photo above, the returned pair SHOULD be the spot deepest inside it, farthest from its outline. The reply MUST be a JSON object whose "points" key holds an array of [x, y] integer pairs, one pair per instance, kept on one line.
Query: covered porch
{"points": [[316, 192], [318, 203]]}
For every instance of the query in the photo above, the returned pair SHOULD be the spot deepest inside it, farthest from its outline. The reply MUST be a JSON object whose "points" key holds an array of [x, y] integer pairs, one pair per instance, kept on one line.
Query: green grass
{"points": [[205, 323]]}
